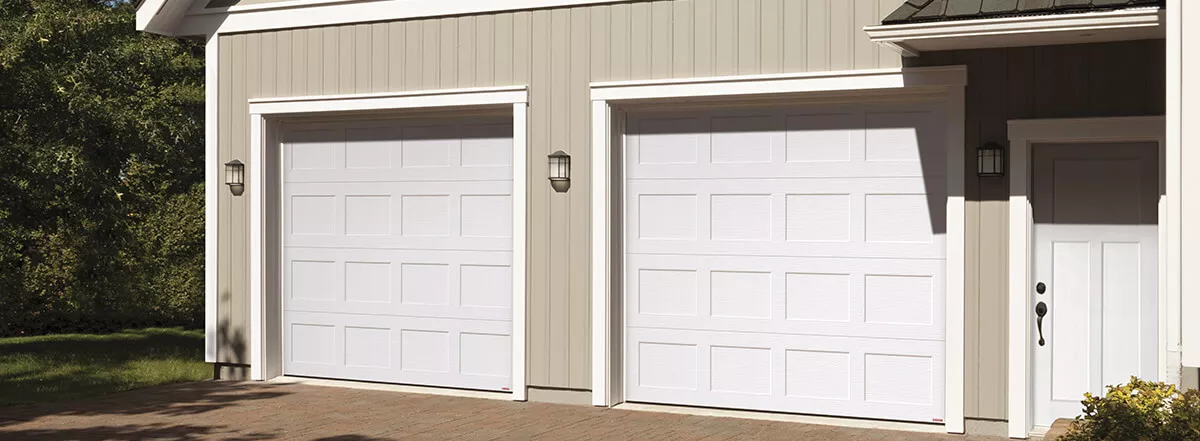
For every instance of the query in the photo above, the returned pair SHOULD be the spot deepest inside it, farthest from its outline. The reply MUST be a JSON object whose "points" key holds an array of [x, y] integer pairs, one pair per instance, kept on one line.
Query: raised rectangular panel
{"points": [[818, 217], [1070, 326], [669, 141], [893, 136], [487, 146], [425, 215], [485, 286], [899, 379], [313, 280], [667, 216], [370, 148], [424, 351], [485, 354], [816, 138], [899, 299], [369, 215], [899, 218], [667, 366], [741, 294], [424, 284], [368, 347], [667, 292], [315, 149], [486, 216], [314, 215], [428, 146], [741, 217], [313, 344], [824, 297], [743, 139], [740, 370], [368, 282], [1122, 295], [818, 374]]}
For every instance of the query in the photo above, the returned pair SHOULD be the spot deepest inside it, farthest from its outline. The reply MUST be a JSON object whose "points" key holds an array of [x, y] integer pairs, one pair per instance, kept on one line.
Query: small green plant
{"points": [[1138, 411]]}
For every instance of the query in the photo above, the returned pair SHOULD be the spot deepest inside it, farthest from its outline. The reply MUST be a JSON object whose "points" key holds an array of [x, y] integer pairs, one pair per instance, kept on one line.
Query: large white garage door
{"points": [[398, 252], [788, 260]]}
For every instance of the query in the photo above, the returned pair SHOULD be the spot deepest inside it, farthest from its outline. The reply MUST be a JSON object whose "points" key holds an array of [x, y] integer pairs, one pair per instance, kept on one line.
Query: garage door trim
{"points": [[944, 84], [266, 330]]}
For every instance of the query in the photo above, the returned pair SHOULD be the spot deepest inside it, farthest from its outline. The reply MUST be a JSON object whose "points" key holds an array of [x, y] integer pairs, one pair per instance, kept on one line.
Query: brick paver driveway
{"points": [[241, 411]]}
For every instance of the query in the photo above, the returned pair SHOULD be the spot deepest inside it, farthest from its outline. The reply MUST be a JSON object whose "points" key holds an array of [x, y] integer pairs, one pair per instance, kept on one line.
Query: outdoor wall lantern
{"points": [[235, 177], [991, 160], [560, 171]]}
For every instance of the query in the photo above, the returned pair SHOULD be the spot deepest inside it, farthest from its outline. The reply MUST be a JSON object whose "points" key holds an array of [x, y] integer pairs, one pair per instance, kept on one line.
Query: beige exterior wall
{"points": [[1078, 81]]}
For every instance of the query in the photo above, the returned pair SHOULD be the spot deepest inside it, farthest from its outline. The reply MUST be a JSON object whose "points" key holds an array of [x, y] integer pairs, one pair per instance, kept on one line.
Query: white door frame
{"points": [[948, 83], [1023, 135], [266, 349]]}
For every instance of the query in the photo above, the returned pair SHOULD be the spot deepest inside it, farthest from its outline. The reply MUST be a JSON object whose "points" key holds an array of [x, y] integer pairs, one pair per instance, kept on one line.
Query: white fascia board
{"points": [[147, 11], [162, 16], [904, 36], [310, 13], [482, 96], [837, 81]]}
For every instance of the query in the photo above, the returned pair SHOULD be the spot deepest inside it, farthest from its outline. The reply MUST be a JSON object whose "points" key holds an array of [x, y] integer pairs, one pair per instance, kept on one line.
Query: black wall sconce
{"points": [[235, 177], [991, 160], [560, 171]]}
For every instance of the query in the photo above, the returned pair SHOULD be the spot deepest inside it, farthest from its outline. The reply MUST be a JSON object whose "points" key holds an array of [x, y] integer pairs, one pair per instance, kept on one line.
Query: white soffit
{"points": [[1037, 30]]}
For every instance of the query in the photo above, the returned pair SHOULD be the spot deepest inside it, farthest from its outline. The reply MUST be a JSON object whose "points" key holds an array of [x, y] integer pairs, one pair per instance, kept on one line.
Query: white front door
{"points": [[1095, 232], [398, 251], [788, 260]]}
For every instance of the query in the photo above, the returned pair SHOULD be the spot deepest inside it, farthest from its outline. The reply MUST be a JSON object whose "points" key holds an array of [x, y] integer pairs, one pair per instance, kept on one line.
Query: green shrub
{"points": [[1138, 411]]}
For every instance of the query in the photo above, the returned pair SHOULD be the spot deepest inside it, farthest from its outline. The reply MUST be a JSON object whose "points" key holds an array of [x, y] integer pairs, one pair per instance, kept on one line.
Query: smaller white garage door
{"points": [[398, 252], [788, 260]]}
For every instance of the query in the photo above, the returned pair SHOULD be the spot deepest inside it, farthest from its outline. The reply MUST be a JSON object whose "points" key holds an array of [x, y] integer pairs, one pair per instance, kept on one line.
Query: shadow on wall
{"points": [[232, 343]]}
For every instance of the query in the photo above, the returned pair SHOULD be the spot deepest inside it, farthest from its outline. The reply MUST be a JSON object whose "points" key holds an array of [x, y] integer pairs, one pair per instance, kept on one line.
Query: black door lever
{"points": [[1041, 312]]}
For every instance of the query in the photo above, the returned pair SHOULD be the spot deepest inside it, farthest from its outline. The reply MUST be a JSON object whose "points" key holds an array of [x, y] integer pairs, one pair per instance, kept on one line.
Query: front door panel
{"points": [[1095, 257]]}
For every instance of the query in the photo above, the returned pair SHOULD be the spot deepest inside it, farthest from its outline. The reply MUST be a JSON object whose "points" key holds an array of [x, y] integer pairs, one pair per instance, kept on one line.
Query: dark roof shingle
{"points": [[917, 11]]}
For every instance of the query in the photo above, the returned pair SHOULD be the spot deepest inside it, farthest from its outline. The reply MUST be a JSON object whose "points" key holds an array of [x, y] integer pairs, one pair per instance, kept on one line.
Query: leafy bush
{"points": [[1138, 411]]}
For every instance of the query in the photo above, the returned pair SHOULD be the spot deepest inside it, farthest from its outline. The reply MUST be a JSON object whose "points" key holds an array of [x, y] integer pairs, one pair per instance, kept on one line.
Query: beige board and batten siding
{"points": [[1074, 81], [557, 53]]}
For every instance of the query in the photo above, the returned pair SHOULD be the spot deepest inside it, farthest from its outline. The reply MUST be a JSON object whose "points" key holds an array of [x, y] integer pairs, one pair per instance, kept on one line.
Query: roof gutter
{"points": [[909, 38]]}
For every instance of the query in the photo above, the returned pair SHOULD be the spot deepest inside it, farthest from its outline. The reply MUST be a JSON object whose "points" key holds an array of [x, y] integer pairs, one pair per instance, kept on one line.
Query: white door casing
{"points": [[788, 259], [1095, 253], [398, 251]]}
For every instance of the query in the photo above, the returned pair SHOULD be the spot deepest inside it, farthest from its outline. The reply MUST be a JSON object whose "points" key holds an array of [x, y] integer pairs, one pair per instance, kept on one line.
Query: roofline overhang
{"points": [[161, 16], [1034, 30]]}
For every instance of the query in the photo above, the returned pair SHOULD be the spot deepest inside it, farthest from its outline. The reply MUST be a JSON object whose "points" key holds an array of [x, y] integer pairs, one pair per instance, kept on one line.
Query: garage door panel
{"points": [[788, 260], [873, 378], [882, 298], [415, 350]]}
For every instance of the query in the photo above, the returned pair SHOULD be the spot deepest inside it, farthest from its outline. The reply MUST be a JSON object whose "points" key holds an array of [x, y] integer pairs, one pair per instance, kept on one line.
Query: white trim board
{"points": [[1033, 30], [213, 171], [948, 82], [264, 365], [1022, 135]]}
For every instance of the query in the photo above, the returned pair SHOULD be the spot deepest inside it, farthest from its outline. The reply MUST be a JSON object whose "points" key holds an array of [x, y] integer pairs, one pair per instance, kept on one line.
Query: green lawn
{"points": [[67, 366]]}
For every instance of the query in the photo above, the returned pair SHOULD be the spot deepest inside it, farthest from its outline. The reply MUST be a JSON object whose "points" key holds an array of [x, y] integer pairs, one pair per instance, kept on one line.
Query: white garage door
{"points": [[788, 260], [398, 252]]}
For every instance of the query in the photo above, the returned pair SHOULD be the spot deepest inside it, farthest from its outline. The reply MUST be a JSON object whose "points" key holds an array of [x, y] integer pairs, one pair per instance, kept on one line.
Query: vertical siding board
{"points": [[448, 52], [430, 49], [795, 36], [560, 138], [748, 37], [329, 60], [866, 53], [381, 45], [620, 53], [485, 51], [347, 59], [239, 288], [599, 44], [579, 205], [639, 37], [505, 44], [466, 52], [282, 64], [363, 46], [771, 39], [397, 36], [299, 66], [540, 244], [841, 34], [224, 204], [414, 55], [661, 36], [268, 56], [818, 44], [726, 33], [703, 22], [683, 39], [315, 61]]}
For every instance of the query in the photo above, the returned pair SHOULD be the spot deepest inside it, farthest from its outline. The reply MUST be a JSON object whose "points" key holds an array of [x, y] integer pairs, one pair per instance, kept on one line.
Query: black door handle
{"points": [[1041, 310]]}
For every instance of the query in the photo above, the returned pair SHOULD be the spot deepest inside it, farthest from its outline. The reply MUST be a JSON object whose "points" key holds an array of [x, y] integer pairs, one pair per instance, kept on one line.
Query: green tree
{"points": [[101, 156]]}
